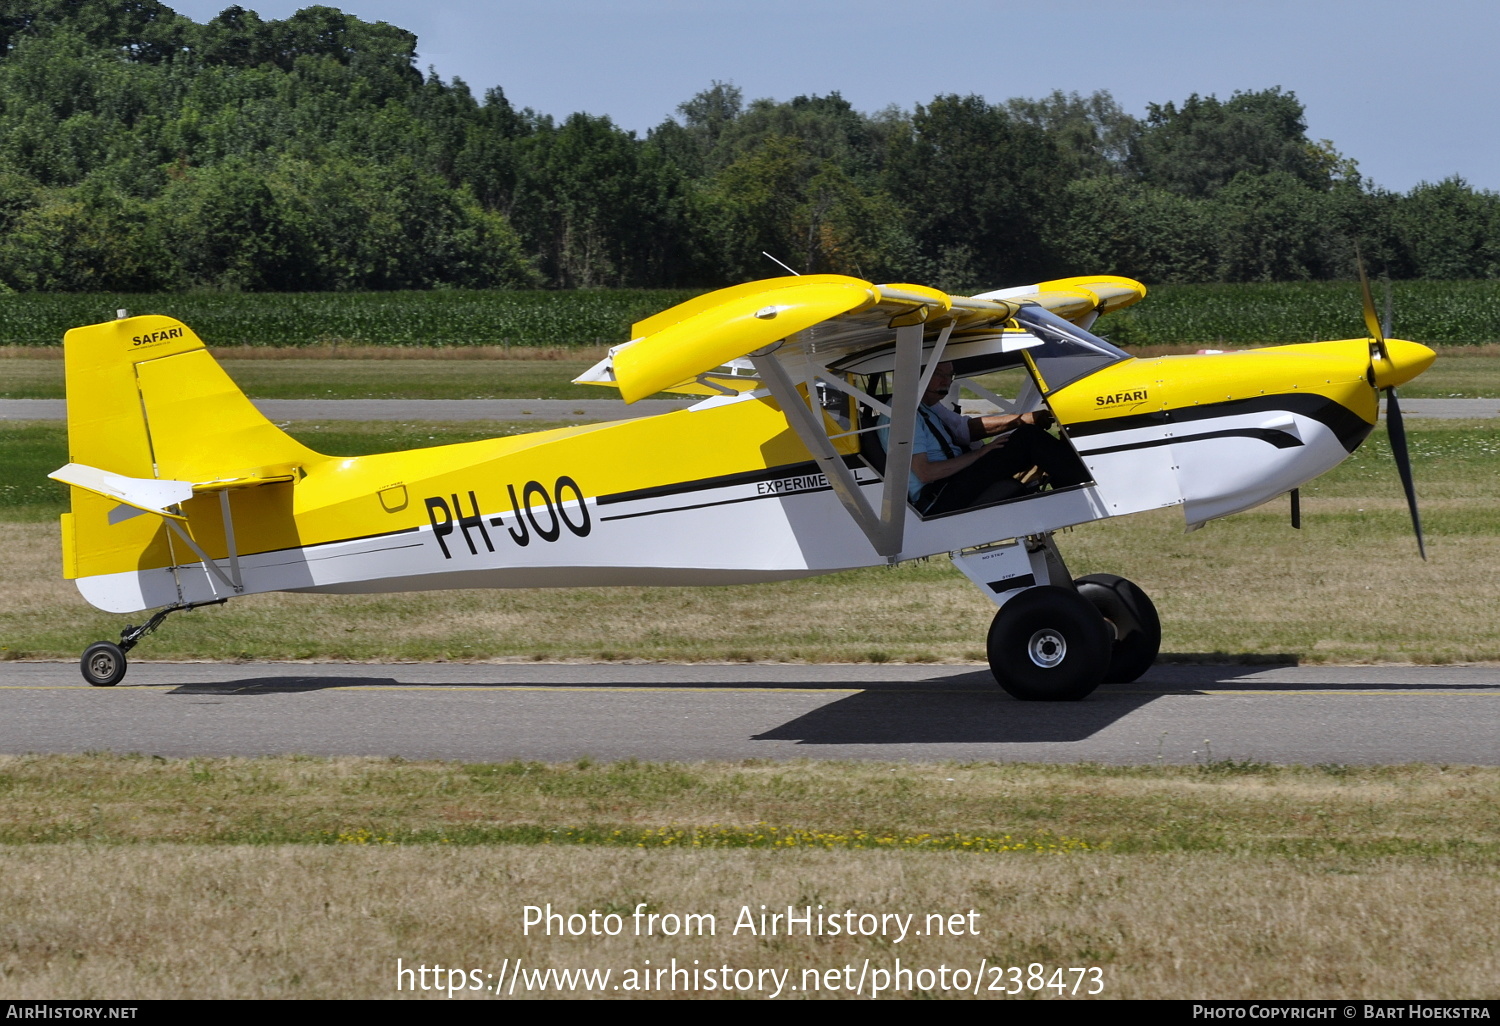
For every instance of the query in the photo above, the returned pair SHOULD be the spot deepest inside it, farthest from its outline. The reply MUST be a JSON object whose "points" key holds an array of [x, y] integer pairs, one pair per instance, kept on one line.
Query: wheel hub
{"points": [[1047, 648]]}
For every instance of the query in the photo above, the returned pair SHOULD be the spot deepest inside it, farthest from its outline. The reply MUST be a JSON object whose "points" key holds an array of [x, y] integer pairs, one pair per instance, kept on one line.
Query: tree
{"points": [[594, 206], [232, 231], [981, 191], [1094, 133], [1270, 228], [1198, 148], [1449, 230]]}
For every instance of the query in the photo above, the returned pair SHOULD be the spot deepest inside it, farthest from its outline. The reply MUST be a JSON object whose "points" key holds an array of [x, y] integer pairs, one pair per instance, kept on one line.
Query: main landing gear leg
{"points": [[1055, 639], [103, 663]]}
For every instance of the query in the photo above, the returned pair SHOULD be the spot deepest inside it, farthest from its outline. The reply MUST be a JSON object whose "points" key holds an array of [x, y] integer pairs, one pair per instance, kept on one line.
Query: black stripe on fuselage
{"points": [[1280, 439], [725, 481], [705, 505], [332, 541], [1347, 426]]}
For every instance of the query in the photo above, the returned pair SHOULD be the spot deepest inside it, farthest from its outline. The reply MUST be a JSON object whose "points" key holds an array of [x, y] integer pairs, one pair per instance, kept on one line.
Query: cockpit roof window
{"points": [[1067, 352]]}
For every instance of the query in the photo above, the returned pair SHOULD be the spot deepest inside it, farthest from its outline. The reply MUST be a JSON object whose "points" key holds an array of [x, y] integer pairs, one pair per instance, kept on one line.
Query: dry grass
{"points": [[1190, 899], [1245, 808], [237, 922]]}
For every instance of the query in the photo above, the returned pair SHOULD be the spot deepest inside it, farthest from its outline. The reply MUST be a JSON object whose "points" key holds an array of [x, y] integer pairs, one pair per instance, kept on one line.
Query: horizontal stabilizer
{"points": [[143, 493], [151, 495]]}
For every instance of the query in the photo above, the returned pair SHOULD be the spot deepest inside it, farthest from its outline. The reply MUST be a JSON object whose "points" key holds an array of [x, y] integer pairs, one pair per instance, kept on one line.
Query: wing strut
{"points": [[886, 531], [808, 428], [906, 392]]}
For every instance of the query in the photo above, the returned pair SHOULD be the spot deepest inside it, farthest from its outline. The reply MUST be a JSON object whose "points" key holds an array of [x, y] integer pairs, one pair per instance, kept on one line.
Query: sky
{"points": [[1407, 89]]}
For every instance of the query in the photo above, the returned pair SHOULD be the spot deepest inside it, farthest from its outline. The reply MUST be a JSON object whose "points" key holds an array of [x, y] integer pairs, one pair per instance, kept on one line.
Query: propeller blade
{"points": [[1397, 430], [1372, 320], [1296, 494]]}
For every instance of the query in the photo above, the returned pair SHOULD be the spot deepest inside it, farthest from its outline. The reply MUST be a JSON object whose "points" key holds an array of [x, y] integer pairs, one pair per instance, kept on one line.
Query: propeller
{"points": [[1395, 425]]}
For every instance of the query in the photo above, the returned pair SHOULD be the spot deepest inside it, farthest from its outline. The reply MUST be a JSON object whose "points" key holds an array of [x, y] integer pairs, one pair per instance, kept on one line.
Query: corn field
{"points": [[1443, 312]]}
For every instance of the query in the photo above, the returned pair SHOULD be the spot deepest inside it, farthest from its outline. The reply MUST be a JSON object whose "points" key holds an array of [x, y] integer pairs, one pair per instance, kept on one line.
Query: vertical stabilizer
{"points": [[146, 400]]}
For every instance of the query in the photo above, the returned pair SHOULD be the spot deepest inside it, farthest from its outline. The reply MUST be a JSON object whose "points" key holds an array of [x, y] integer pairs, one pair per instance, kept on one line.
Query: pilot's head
{"points": [[937, 388]]}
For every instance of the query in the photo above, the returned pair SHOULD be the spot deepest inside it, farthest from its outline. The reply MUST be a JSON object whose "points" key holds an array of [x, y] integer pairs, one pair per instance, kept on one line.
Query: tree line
{"points": [[141, 151]]}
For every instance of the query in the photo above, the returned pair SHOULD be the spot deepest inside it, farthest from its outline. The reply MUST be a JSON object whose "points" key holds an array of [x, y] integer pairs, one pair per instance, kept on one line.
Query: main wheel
{"points": [[103, 664], [1049, 644], [1136, 627]]}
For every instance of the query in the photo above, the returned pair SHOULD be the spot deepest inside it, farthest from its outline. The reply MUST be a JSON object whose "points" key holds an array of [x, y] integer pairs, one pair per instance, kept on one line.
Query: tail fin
{"points": [[147, 401]]}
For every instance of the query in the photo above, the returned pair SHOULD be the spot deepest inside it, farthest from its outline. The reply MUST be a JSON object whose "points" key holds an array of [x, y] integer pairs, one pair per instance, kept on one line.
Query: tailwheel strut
{"points": [[103, 663]]}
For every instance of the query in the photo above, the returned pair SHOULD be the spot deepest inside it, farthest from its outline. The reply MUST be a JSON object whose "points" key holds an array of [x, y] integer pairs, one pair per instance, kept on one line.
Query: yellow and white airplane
{"points": [[797, 462]]}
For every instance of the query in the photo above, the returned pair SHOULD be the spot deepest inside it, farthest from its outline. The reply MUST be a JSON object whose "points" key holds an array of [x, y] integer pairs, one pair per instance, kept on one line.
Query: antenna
{"points": [[775, 261]]}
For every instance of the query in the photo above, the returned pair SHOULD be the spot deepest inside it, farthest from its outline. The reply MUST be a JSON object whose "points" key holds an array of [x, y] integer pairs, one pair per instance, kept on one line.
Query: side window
{"points": [[1065, 352], [1012, 389]]}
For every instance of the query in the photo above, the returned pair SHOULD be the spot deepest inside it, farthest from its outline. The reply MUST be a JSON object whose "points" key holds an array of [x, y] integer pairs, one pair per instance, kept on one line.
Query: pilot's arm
{"points": [[928, 471], [999, 423]]}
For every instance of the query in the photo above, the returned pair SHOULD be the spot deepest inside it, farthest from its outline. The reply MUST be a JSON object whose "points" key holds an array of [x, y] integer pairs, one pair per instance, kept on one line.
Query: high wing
{"points": [[822, 315], [789, 336]]}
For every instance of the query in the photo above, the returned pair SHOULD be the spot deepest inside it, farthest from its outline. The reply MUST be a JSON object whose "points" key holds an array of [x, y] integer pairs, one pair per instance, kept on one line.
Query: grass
{"points": [[1250, 810], [1241, 588], [137, 877], [1459, 373]]}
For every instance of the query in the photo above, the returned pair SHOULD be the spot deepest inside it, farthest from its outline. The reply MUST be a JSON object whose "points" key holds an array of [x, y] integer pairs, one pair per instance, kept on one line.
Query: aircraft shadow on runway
{"points": [[281, 685], [940, 712], [957, 717], [1176, 679]]}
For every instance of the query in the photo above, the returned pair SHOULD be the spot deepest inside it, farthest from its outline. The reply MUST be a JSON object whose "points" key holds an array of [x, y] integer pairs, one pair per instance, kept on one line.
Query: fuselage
{"points": [[726, 492]]}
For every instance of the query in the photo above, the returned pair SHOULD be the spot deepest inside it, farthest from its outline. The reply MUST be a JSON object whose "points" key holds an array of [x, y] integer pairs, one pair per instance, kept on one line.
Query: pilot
{"points": [[952, 468]]}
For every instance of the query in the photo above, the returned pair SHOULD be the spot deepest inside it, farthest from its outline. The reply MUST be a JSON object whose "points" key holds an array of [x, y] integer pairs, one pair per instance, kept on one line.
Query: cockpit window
{"points": [[1067, 352]]}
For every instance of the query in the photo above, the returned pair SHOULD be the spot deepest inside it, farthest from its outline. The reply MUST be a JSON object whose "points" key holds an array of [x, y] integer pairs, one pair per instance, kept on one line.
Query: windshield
{"points": [[1067, 352]]}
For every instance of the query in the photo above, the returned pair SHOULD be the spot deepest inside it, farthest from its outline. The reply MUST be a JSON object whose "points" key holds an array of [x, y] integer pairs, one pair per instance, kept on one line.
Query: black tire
{"points": [[1049, 644], [103, 664], [1133, 618]]}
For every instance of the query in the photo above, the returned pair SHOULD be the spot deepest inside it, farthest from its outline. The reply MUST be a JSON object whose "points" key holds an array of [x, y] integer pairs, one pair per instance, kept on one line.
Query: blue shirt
{"points": [[926, 440]]}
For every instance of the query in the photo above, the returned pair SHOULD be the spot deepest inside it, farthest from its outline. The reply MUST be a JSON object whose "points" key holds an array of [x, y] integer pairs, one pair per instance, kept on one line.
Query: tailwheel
{"points": [[1049, 644], [1133, 621], [103, 664]]}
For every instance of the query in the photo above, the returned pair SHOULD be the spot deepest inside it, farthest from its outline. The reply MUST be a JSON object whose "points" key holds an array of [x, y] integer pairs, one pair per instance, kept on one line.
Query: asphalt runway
{"points": [[281, 410], [561, 712]]}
